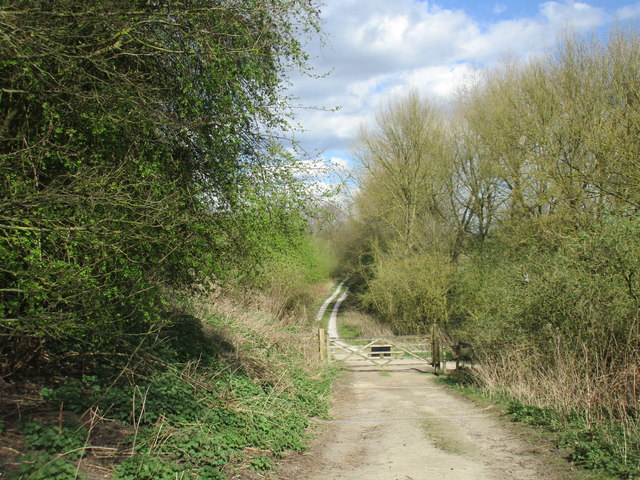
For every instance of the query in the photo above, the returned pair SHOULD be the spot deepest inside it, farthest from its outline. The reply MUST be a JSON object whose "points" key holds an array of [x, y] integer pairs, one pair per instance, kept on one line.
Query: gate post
{"points": [[435, 348], [444, 360], [438, 353]]}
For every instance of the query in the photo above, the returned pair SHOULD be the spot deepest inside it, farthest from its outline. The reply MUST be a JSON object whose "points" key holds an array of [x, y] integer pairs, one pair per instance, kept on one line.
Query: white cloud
{"points": [[441, 81], [580, 15], [628, 13], [340, 163], [516, 37], [379, 47]]}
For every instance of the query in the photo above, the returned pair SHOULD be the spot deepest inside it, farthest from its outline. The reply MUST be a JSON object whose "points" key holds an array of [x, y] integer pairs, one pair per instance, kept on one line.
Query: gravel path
{"points": [[399, 424], [332, 329], [326, 303]]}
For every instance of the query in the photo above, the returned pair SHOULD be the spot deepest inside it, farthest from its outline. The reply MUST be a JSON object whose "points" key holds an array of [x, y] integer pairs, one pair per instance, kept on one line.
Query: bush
{"points": [[68, 440], [43, 466], [410, 291]]}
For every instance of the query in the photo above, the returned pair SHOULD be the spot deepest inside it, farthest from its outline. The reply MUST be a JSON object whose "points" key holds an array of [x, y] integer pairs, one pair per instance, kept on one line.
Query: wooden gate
{"points": [[381, 351]]}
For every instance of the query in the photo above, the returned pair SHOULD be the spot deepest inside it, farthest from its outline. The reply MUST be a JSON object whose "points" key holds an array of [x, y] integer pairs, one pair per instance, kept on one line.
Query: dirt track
{"points": [[399, 424]]}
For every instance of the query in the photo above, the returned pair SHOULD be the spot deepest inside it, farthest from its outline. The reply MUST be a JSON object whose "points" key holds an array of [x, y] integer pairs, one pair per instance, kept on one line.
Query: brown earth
{"points": [[398, 423]]}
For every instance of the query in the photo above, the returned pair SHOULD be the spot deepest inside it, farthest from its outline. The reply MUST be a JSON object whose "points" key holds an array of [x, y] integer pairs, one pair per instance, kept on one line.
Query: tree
{"points": [[404, 165], [137, 151], [401, 213], [556, 136]]}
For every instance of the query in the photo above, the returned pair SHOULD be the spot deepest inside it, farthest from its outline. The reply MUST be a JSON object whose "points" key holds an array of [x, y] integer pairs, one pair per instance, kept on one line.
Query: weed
{"points": [[601, 448], [144, 403], [44, 466], [542, 417], [593, 447], [150, 467], [261, 463], [71, 395], [54, 439], [239, 391]]}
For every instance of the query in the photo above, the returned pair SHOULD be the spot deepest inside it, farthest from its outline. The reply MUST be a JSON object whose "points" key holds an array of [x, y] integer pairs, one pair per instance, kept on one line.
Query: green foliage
{"points": [[147, 467], [543, 417], [68, 440], [597, 447], [51, 448], [143, 402], [196, 421], [348, 331], [522, 231], [43, 466], [137, 159], [604, 448], [291, 273], [583, 289], [410, 291], [400, 241], [486, 297], [261, 463], [184, 340], [404, 159], [72, 395]]}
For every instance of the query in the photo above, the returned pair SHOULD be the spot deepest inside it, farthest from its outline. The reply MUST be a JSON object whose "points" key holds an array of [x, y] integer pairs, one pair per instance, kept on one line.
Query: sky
{"points": [[375, 49]]}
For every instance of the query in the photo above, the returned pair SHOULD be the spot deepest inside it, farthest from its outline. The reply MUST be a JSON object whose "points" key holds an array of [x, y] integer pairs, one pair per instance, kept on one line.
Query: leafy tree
{"points": [[556, 277], [404, 240], [404, 169], [519, 225], [410, 291], [138, 156]]}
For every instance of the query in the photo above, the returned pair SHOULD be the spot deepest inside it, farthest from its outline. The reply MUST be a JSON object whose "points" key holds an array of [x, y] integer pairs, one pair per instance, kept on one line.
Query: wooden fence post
{"points": [[435, 348], [322, 344], [444, 360]]}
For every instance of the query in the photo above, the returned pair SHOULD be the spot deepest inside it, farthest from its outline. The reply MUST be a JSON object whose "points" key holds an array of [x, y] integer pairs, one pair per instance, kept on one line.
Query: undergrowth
{"points": [[213, 399], [348, 331], [354, 323], [599, 446]]}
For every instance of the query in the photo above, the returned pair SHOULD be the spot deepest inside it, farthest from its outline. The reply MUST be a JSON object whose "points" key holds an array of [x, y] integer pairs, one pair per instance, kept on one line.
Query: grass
{"points": [[221, 392], [348, 331], [442, 437], [358, 324]]}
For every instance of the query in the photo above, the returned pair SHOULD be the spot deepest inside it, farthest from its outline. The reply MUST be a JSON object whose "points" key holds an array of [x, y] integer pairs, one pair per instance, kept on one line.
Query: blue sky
{"points": [[492, 11], [489, 11], [523, 7], [375, 49]]}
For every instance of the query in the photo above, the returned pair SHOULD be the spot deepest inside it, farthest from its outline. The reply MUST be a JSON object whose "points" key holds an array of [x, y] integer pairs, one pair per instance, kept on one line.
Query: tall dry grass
{"points": [[572, 380], [260, 330], [366, 325], [569, 380]]}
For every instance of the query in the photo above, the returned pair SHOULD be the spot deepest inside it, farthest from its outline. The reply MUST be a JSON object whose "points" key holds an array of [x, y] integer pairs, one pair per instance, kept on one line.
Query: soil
{"points": [[398, 423], [21, 402]]}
